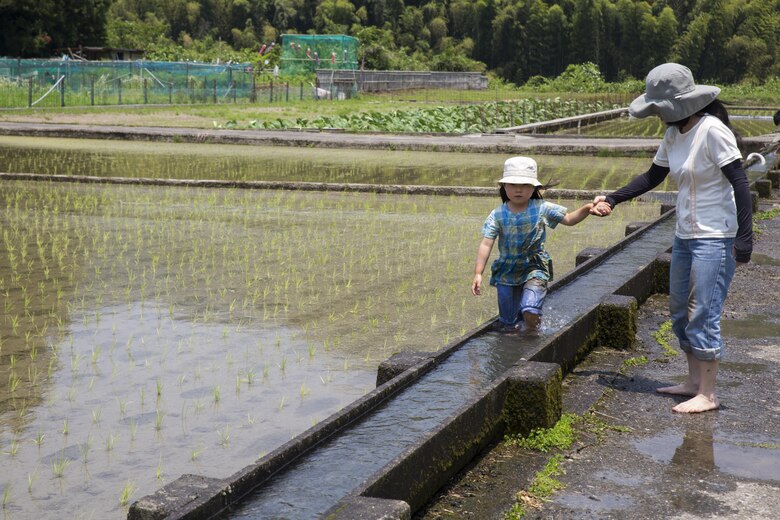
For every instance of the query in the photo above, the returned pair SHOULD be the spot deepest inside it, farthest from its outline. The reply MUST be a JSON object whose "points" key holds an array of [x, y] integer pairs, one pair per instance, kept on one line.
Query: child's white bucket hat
{"points": [[520, 170], [671, 94]]}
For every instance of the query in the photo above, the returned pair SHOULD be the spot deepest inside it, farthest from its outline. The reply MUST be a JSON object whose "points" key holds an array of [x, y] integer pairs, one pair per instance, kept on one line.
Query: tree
{"points": [[335, 17]]}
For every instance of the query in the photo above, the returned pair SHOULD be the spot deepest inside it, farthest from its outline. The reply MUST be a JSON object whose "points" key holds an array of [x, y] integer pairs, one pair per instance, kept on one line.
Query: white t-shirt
{"points": [[705, 201]]}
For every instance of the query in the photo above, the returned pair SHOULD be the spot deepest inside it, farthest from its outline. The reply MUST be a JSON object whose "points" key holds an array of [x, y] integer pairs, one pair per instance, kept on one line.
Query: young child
{"points": [[523, 268]]}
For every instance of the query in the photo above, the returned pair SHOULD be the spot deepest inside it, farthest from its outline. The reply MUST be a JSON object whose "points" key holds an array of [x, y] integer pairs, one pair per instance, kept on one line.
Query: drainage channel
{"points": [[317, 480]]}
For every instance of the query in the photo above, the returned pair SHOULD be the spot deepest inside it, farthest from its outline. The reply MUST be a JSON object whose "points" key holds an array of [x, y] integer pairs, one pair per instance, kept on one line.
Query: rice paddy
{"points": [[149, 332], [746, 123], [250, 163]]}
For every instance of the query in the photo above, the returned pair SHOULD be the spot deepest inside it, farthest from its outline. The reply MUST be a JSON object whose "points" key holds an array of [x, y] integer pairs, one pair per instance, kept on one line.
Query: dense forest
{"points": [[726, 41]]}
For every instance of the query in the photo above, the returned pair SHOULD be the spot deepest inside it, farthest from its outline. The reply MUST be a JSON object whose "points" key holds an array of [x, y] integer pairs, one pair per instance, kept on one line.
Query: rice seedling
{"points": [[6, 496], [127, 493], [224, 436], [59, 466]]}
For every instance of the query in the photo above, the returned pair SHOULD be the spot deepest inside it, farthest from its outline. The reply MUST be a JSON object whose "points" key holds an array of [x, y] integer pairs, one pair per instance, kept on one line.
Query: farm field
{"points": [[246, 163], [748, 124]]}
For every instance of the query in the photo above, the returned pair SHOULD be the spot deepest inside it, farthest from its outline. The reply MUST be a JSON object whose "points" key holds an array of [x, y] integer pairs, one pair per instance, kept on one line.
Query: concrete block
{"points": [[398, 364], [763, 188], [616, 322], [632, 227], [533, 397], [774, 178], [661, 267], [174, 496], [370, 508], [665, 208], [754, 200], [586, 254]]}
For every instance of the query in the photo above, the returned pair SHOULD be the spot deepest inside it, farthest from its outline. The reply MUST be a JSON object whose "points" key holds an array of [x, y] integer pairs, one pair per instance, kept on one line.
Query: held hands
{"points": [[476, 285], [601, 207]]}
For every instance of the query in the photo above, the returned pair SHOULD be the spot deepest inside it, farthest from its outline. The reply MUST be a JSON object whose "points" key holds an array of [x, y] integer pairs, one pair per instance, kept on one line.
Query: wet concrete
{"points": [[638, 459]]}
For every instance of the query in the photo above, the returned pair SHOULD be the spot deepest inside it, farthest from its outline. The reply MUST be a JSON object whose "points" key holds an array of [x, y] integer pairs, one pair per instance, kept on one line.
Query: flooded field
{"points": [[747, 124], [267, 163], [148, 332]]}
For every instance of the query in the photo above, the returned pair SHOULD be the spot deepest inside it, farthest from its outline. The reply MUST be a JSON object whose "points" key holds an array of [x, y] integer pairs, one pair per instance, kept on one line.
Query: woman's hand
{"points": [[601, 207]]}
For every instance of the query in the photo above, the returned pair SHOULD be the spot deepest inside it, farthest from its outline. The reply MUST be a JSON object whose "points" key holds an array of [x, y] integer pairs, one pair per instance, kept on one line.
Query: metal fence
{"points": [[61, 83], [29, 83]]}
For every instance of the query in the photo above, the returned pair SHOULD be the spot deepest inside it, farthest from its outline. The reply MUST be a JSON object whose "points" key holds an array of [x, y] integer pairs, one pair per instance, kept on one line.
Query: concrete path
{"points": [[636, 458]]}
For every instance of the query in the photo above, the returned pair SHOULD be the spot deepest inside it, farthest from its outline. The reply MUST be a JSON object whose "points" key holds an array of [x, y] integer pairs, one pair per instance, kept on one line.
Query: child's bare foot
{"points": [[700, 403], [686, 389]]}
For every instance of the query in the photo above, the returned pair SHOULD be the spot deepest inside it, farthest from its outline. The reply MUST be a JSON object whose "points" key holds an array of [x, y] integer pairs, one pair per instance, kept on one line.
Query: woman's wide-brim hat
{"points": [[671, 94], [520, 170]]}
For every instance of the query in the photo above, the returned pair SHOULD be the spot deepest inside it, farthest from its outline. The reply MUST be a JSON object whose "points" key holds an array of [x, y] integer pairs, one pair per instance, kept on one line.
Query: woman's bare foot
{"points": [[686, 389], [700, 403]]}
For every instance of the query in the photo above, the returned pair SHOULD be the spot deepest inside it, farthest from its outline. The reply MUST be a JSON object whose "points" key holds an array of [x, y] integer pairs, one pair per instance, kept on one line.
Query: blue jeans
{"points": [[699, 279], [514, 300]]}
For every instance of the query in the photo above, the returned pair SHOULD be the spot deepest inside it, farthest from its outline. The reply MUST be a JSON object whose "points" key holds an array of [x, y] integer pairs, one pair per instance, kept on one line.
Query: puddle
{"points": [[698, 453], [750, 328], [604, 502], [758, 258], [743, 368]]}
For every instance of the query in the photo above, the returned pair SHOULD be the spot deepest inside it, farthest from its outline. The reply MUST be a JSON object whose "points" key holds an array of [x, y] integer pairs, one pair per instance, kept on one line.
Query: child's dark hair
{"points": [[505, 198]]}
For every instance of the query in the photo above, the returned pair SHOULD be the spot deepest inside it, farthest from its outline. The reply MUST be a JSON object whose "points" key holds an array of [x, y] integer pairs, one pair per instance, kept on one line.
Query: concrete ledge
{"points": [[423, 468], [661, 268], [774, 178], [533, 397], [398, 364], [588, 253], [185, 493], [617, 322], [565, 122], [368, 507], [633, 227], [763, 188]]}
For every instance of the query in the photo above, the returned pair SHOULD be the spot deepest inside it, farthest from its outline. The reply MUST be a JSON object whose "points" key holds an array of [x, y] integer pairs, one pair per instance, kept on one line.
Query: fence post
{"points": [[146, 93], [271, 90], [253, 94], [170, 92], [92, 90], [62, 92], [29, 91], [233, 82], [214, 91], [301, 90], [287, 91]]}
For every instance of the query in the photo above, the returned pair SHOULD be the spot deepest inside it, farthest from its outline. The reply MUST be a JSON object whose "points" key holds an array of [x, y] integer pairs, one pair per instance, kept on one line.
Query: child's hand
{"points": [[600, 207], [476, 285]]}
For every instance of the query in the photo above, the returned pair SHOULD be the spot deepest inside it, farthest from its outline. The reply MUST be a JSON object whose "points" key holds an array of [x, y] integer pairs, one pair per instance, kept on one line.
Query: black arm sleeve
{"points": [[739, 181], [641, 184]]}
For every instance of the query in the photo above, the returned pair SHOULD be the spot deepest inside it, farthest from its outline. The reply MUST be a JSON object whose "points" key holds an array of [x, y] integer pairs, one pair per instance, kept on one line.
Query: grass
{"points": [[663, 336], [559, 437]]}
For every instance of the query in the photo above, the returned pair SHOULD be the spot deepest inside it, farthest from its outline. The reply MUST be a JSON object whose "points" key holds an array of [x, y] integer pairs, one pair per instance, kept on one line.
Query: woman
{"points": [[714, 218]]}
